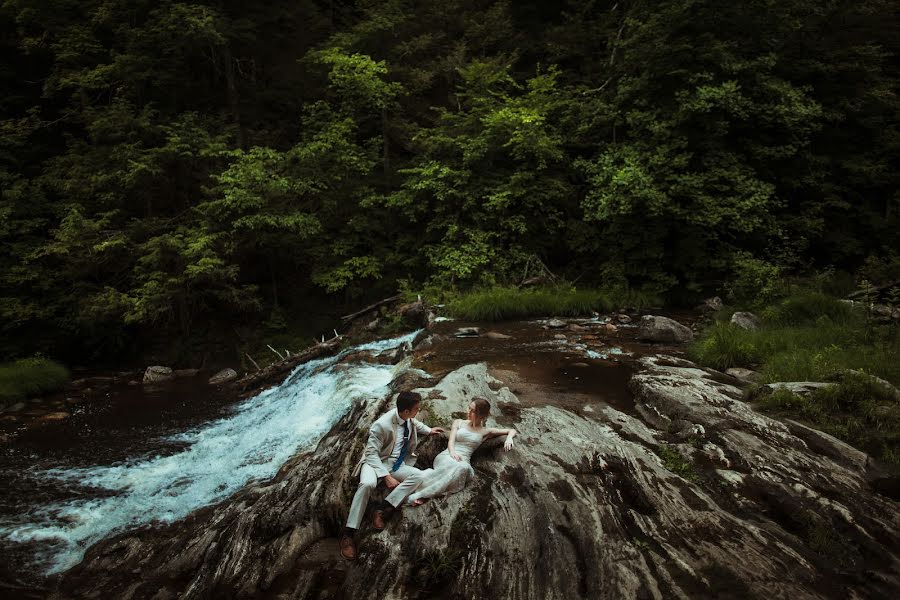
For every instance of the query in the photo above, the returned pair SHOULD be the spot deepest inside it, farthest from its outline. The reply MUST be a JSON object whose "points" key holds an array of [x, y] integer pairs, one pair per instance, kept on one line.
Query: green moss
{"points": [[30, 376], [674, 461]]}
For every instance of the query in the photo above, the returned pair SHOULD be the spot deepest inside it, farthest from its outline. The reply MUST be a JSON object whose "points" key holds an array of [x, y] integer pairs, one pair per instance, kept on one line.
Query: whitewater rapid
{"points": [[219, 458]]}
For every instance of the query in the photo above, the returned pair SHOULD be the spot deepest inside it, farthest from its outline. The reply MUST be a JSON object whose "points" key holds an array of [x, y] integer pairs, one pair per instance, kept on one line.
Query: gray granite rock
{"points": [[654, 328], [223, 376], [158, 374], [746, 320]]}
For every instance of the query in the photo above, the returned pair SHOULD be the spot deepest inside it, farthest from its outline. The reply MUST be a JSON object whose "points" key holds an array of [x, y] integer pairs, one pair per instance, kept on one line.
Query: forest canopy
{"points": [[172, 168]]}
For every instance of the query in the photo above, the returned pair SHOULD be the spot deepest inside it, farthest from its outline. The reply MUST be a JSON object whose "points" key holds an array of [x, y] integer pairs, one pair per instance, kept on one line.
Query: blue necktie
{"points": [[403, 448]]}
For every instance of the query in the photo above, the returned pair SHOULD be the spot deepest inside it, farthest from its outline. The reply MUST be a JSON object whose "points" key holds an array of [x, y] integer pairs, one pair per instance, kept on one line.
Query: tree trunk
{"points": [[233, 98]]}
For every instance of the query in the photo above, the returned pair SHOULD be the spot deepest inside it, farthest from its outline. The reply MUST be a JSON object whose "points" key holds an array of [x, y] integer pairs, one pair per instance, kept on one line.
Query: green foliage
{"points": [[178, 167], [504, 303], [30, 376], [807, 308], [724, 346], [805, 337], [678, 464], [881, 269], [858, 410], [755, 282]]}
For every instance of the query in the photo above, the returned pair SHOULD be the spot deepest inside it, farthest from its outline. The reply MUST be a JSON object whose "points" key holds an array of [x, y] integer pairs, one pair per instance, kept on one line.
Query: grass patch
{"points": [[506, 303], [30, 376], [858, 410], [678, 464], [807, 308], [807, 337]]}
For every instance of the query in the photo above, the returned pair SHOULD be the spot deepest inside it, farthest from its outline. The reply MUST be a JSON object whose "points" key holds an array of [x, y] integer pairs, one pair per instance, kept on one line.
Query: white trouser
{"points": [[409, 477]]}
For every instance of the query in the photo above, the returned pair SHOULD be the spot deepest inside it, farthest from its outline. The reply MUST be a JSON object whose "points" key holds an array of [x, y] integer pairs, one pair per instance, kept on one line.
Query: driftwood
{"points": [[274, 371], [371, 307], [252, 361]]}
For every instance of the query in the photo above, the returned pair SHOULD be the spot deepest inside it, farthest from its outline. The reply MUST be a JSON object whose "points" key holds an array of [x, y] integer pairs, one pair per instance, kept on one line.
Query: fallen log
{"points": [[371, 307], [270, 374]]}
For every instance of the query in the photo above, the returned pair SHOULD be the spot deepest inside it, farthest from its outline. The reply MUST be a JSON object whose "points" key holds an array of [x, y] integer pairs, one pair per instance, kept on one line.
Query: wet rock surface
{"points": [[637, 477]]}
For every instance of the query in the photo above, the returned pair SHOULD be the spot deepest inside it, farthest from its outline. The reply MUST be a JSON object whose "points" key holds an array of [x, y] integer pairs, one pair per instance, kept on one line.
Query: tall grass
{"points": [[28, 377], [807, 337], [504, 303], [813, 337]]}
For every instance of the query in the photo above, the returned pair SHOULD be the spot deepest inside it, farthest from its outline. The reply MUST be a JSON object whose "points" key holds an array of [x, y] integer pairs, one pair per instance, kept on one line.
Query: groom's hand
{"points": [[391, 482], [437, 431]]}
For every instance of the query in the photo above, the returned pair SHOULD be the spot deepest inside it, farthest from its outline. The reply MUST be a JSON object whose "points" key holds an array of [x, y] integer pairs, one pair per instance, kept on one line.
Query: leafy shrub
{"points": [[809, 307], [754, 281], [30, 376]]}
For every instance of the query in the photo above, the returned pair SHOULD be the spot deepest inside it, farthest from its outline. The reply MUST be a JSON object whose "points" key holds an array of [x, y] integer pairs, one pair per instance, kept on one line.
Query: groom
{"points": [[389, 456]]}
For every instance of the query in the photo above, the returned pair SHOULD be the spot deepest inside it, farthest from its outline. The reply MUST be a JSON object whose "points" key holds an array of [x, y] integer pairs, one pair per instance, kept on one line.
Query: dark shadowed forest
{"points": [[186, 175]]}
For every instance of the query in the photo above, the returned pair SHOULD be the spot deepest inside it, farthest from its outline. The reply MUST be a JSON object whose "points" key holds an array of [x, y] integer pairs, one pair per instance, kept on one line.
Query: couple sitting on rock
{"points": [[391, 453]]}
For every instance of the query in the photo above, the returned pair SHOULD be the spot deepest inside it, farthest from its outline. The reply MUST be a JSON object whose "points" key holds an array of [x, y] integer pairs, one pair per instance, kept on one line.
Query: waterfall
{"points": [[218, 459]]}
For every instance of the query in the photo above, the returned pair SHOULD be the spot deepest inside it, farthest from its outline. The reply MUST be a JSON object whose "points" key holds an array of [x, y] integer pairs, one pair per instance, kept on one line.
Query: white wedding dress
{"points": [[448, 475]]}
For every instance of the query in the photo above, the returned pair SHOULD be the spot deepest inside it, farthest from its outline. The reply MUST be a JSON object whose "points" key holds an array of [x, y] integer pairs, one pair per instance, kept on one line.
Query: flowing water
{"points": [[174, 474]]}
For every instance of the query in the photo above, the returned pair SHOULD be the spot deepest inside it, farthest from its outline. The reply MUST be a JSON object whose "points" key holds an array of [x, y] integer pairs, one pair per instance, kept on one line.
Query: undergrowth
{"points": [[30, 376], [806, 337], [857, 409], [506, 303]]}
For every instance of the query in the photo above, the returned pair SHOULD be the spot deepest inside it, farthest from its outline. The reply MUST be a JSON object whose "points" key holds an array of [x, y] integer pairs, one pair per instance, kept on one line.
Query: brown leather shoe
{"points": [[348, 547], [378, 520]]}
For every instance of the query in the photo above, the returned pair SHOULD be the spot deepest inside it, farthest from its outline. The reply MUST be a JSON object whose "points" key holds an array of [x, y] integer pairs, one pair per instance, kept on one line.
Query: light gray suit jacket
{"points": [[383, 436]]}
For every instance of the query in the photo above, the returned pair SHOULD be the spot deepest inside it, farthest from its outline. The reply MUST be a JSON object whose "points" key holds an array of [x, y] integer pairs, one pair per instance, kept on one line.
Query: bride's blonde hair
{"points": [[482, 410]]}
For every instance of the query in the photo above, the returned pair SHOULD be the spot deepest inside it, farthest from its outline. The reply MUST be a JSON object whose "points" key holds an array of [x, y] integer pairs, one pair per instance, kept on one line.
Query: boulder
{"points": [[746, 320], [496, 335], [414, 313], [624, 319], [467, 332], [556, 324], [223, 376], [744, 375], [158, 374], [663, 329], [55, 416]]}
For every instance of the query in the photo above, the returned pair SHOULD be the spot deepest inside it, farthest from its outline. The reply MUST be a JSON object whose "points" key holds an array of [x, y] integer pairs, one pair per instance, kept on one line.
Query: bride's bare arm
{"points": [[451, 445], [509, 433]]}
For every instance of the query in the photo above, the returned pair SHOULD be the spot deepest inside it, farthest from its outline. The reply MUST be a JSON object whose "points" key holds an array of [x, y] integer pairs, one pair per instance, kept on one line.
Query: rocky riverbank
{"points": [[662, 484]]}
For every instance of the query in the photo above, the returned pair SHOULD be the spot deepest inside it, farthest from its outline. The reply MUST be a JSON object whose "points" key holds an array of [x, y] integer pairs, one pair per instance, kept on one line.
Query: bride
{"points": [[451, 468]]}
